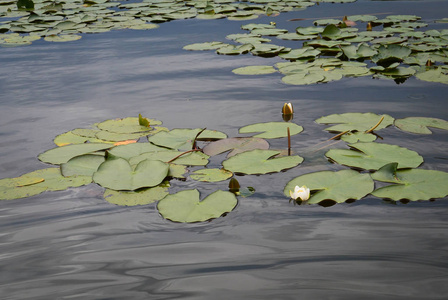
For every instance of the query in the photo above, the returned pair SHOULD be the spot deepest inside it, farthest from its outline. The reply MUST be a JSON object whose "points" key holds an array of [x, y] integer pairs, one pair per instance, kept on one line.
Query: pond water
{"points": [[74, 245]]}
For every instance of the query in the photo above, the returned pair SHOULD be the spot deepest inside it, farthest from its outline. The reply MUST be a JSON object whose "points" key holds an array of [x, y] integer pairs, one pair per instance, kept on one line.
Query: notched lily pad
{"points": [[272, 130], [237, 145], [372, 156], [127, 125], [260, 162], [186, 207], [420, 124], [132, 198], [411, 184], [57, 156], [338, 186], [355, 121]]}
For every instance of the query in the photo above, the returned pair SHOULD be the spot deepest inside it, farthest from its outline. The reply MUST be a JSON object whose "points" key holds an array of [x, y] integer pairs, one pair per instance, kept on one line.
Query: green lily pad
{"points": [[135, 149], [127, 125], [118, 174], [234, 49], [435, 75], [62, 38], [133, 198], [389, 54], [183, 138], [254, 70], [117, 137], [338, 186], [411, 184], [211, 175], [204, 46], [260, 162], [353, 137], [355, 121], [195, 158], [69, 137], [420, 124], [372, 156], [82, 165], [237, 145], [186, 207], [57, 156], [272, 130]]}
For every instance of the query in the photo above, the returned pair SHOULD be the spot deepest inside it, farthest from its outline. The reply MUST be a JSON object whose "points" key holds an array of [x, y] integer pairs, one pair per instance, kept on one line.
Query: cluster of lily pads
{"points": [[136, 160], [66, 20], [395, 47]]}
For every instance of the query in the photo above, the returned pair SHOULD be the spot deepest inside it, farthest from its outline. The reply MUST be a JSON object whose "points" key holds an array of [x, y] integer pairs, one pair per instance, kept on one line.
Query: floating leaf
{"points": [[183, 138], [260, 162], [420, 124], [118, 174], [133, 198], [237, 144], [189, 159], [254, 70], [118, 137], [131, 150], [355, 121], [205, 46], [372, 156], [272, 130], [211, 175], [82, 165], [353, 137], [411, 184], [303, 78], [186, 207], [62, 38], [126, 125], [389, 54], [435, 75], [57, 156], [338, 186]]}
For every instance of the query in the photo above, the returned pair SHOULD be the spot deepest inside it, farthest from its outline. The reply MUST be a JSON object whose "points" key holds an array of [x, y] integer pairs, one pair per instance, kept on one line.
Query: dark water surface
{"points": [[75, 245]]}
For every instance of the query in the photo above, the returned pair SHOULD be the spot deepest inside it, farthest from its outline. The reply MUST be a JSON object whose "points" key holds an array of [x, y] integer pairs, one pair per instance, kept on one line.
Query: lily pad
{"points": [[411, 184], [254, 70], [372, 156], [183, 138], [82, 165], [238, 145], [118, 174], [260, 162], [338, 186], [272, 130], [420, 124], [435, 75], [131, 150], [127, 125], [57, 156], [355, 121], [186, 207], [133, 198], [303, 78], [353, 137], [211, 175], [195, 158]]}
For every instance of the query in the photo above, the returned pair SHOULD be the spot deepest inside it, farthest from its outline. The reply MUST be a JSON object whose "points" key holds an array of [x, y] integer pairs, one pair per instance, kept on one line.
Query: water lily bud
{"points": [[301, 192], [287, 109], [429, 63], [234, 185], [369, 26]]}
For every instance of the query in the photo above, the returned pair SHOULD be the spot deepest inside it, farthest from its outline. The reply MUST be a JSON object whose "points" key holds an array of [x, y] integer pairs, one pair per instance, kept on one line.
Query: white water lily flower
{"points": [[300, 192]]}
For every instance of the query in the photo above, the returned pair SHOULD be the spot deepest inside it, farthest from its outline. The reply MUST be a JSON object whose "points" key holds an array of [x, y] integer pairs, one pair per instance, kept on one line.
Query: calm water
{"points": [[74, 245]]}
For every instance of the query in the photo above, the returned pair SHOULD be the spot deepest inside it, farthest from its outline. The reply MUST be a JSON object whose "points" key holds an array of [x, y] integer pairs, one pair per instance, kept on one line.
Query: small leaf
{"points": [[133, 198], [63, 154], [211, 175]]}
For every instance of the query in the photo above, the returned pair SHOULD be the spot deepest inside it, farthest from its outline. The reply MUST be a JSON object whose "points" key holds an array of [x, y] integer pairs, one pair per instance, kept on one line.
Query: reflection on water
{"points": [[74, 245]]}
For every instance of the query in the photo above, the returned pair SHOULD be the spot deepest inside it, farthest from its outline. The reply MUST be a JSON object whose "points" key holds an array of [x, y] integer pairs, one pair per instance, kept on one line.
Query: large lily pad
{"points": [[355, 121], [272, 130], [118, 174], [135, 149], [186, 207], [237, 145], [195, 158], [260, 162], [133, 198], [127, 125], [338, 186], [420, 124], [63, 154], [183, 139], [372, 156], [411, 184]]}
